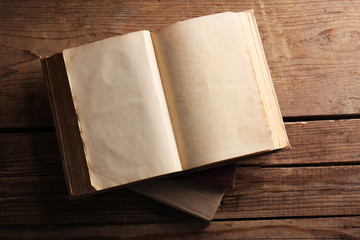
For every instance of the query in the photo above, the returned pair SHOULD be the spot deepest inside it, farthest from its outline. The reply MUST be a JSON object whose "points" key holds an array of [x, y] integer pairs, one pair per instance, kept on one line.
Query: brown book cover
{"points": [[200, 200], [198, 194]]}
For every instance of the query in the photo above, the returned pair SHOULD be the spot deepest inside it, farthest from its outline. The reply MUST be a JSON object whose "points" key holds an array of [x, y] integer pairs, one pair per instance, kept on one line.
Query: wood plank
{"points": [[44, 200], [309, 45], [317, 142], [285, 192], [259, 193], [29, 154], [23, 97], [314, 228]]}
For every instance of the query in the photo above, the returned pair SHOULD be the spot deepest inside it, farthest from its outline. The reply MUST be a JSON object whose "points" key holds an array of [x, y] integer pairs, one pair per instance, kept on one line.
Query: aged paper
{"points": [[122, 113], [215, 104], [263, 78]]}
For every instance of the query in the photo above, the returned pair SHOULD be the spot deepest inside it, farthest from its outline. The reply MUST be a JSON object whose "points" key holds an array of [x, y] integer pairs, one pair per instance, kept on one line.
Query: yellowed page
{"points": [[263, 77], [210, 87], [121, 108]]}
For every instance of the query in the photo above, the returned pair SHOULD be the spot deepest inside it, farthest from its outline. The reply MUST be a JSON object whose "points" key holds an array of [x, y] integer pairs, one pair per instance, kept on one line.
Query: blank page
{"points": [[121, 108], [214, 101]]}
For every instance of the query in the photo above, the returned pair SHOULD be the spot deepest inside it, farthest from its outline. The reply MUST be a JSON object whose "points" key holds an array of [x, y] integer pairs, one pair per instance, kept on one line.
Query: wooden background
{"points": [[310, 192]]}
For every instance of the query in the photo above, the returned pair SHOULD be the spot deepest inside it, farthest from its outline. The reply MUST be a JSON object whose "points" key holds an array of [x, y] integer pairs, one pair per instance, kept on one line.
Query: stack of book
{"points": [[164, 113]]}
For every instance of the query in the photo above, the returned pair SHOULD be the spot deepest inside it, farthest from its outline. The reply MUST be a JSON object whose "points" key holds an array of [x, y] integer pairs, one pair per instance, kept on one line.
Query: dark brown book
{"points": [[193, 95], [198, 194]]}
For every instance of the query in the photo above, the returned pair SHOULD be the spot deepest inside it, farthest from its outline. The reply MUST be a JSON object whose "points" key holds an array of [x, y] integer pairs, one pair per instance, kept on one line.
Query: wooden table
{"points": [[312, 191]]}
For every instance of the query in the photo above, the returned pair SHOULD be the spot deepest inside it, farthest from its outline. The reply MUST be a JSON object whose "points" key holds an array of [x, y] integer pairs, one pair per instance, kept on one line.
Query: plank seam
{"points": [[320, 117], [194, 220]]}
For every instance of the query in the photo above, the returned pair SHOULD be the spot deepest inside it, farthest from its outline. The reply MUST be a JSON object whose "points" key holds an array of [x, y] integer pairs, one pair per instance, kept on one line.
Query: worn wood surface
{"points": [[315, 228], [316, 143], [258, 193], [310, 192], [310, 45]]}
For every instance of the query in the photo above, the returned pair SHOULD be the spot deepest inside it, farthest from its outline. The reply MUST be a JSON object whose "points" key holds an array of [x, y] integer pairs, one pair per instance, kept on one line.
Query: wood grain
{"points": [[312, 51], [316, 228], [43, 200], [29, 154], [311, 47], [316, 142], [287, 192], [258, 193]]}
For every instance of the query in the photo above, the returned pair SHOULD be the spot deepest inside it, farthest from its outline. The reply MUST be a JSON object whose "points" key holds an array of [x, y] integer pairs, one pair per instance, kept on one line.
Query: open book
{"points": [[141, 105]]}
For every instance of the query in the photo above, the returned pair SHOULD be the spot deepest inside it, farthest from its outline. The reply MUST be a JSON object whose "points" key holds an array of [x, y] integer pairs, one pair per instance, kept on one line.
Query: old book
{"points": [[198, 194], [191, 95]]}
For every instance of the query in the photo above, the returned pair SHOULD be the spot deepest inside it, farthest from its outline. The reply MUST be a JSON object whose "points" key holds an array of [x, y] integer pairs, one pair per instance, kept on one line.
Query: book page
{"points": [[214, 101], [122, 114], [263, 77]]}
